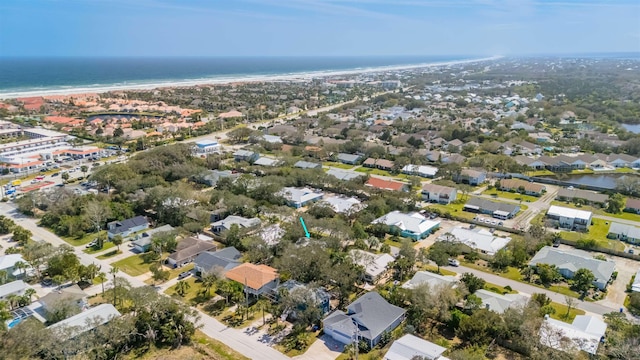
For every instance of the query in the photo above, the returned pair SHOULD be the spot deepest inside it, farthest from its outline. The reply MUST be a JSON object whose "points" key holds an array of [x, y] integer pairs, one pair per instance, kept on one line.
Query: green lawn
{"points": [[597, 231], [133, 265], [338, 165], [84, 240], [498, 289], [539, 173], [222, 351], [173, 273], [105, 246], [191, 294], [583, 171], [625, 170], [434, 269], [510, 195], [561, 312], [454, 209], [114, 252], [374, 171]]}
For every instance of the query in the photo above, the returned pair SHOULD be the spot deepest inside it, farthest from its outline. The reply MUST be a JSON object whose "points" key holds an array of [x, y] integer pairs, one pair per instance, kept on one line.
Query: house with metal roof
{"points": [[367, 318], [624, 232], [569, 262], [218, 262], [498, 210], [85, 321], [412, 225], [345, 175], [410, 347], [585, 333], [8, 263], [266, 161], [299, 197], [420, 170], [500, 303], [245, 155], [307, 165], [478, 239], [203, 147], [13, 288], [431, 279], [570, 218]]}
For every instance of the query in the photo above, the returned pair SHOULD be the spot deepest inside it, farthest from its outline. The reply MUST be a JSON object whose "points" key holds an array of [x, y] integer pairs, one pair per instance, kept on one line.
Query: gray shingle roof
{"points": [[574, 260], [374, 313], [225, 259], [491, 205], [125, 225]]}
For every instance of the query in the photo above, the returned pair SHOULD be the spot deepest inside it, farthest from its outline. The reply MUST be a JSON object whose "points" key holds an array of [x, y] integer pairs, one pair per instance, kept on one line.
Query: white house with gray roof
{"points": [[570, 218], [412, 225], [299, 197], [478, 239], [420, 170], [375, 265], [342, 204], [570, 261], [307, 165], [13, 288], [411, 347], [242, 222], [585, 333], [350, 159], [85, 321], [345, 175], [499, 303], [431, 279], [373, 315], [624, 232]]}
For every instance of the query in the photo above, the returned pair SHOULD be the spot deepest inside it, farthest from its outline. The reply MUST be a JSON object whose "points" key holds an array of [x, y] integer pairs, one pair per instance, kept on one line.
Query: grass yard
{"points": [[191, 294], [625, 170], [561, 312], [173, 273], [498, 289], [598, 232], [434, 269], [133, 265], [539, 173], [374, 171], [84, 240], [454, 209], [338, 165], [510, 195], [106, 245], [114, 252]]}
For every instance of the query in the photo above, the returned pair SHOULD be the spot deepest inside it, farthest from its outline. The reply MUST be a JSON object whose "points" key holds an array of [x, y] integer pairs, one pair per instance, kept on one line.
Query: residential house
{"points": [[624, 232], [204, 147], [217, 262], [589, 197], [382, 164], [499, 303], [420, 170], [266, 161], [438, 193], [127, 227], [632, 205], [367, 318], [71, 295], [350, 159], [85, 321], [438, 143], [211, 177], [452, 158], [433, 280], [344, 205], [570, 218], [383, 184], [570, 261], [532, 163], [8, 264], [17, 287], [498, 210], [345, 175], [471, 177], [271, 139], [221, 226], [455, 142], [143, 244], [518, 185], [585, 333], [477, 239], [307, 165], [410, 347], [621, 160], [299, 197], [187, 250], [319, 295], [256, 279], [412, 225], [375, 265], [245, 155]]}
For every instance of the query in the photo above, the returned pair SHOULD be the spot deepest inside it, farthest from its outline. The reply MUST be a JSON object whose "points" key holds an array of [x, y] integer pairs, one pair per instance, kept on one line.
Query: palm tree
{"points": [[102, 277], [13, 300], [114, 270], [208, 281], [21, 265], [29, 293], [263, 304], [182, 287], [4, 276], [117, 241], [92, 269]]}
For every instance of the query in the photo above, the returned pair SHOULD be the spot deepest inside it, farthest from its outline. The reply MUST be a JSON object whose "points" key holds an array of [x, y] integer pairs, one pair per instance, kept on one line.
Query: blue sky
{"points": [[316, 27]]}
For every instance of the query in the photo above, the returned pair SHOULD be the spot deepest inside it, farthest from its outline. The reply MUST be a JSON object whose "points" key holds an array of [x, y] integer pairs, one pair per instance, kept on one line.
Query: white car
{"points": [[454, 262]]}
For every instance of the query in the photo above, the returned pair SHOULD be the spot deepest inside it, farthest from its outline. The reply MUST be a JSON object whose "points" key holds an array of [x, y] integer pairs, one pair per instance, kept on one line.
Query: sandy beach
{"points": [[229, 80]]}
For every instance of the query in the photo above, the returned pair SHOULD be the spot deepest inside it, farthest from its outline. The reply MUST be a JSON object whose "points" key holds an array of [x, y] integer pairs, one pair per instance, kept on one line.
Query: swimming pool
{"points": [[13, 323]]}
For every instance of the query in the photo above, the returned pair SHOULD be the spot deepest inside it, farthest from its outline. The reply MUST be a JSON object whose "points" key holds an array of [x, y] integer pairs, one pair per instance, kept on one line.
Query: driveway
{"points": [[324, 348]]}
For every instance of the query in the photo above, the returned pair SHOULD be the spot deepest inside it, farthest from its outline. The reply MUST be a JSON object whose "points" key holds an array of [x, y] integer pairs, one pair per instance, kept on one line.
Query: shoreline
{"points": [[83, 89]]}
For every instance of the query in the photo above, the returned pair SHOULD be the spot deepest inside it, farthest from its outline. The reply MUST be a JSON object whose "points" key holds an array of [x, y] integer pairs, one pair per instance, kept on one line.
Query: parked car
{"points": [[631, 251], [91, 244], [454, 262], [184, 275], [55, 174], [47, 282]]}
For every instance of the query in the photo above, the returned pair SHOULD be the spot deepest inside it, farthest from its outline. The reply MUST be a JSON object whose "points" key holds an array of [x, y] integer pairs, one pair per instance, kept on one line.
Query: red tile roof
{"points": [[385, 184]]}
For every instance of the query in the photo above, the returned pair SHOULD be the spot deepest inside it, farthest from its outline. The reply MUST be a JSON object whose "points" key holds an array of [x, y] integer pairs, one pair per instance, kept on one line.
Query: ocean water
{"points": [[22, 76]]}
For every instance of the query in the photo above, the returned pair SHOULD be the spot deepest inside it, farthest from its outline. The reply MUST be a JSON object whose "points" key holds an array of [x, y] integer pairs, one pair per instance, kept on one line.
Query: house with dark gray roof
{"points": [[307, 165], [212, 177], [570, 261], [350, 159], [368, 318], [589, 197], [127, 227], [471, 177], [218, 262], [496, 209], [187, 250], [344, 175]]}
